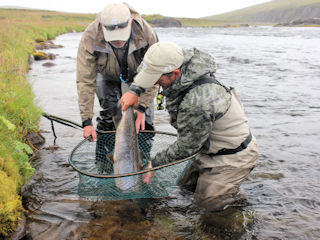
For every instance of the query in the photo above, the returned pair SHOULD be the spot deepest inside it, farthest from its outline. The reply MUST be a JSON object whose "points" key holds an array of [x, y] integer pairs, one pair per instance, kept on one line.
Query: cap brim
{"points": [[146, 79], [119, 34]]}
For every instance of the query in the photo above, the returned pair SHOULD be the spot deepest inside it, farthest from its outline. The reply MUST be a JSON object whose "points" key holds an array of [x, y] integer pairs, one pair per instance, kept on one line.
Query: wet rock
{"points": [[47, 45], [51, 56], [20, 231], [39, 40], [38, 56], [48, 64], [36, 139], [52, 148]]}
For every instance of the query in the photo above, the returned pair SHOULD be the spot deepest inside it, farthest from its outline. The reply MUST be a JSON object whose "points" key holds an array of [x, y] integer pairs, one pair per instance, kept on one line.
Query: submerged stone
{"points": [[229, 221], [48, 64]]}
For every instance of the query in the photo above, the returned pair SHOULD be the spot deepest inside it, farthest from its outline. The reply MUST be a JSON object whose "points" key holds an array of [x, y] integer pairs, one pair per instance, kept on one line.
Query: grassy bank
{"points": [[19, 114]]}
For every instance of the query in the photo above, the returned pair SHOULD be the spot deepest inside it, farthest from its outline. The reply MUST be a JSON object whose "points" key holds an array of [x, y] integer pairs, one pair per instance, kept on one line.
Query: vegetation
{"points": [[273, 11], [198, 22], [19, 114], [152, 17]]}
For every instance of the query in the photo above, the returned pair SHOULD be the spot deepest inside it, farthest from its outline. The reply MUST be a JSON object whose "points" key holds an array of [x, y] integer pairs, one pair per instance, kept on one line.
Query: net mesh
{"points": [[96, 177]]}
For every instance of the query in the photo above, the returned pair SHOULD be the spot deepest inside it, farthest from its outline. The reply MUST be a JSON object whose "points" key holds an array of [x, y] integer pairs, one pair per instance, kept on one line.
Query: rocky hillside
{"points": [[276, 11], [157, 20]]}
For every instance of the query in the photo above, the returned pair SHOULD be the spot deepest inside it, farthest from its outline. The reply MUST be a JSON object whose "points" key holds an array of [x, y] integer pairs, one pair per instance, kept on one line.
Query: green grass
{"points": [[246, 14], [198, 22], [19, 114]]}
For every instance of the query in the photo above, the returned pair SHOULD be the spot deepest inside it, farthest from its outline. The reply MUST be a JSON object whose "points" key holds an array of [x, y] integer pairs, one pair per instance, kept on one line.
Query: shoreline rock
{"points": [[166, 22], [47, 45], [21, 230], [38, 56], [300, 22]]}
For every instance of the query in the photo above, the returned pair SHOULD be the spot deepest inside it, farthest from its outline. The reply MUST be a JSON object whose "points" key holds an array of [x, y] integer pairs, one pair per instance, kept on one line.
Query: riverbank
{"points": [[20, 30], [265, 65]]}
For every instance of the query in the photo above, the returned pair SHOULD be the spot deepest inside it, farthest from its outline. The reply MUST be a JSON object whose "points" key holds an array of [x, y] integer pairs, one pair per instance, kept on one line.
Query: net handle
{"points": [[143, 131], [126, 174]]}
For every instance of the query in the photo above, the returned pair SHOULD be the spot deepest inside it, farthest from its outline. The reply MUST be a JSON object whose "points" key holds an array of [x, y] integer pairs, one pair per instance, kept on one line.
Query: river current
{"points": [[276, 73]]}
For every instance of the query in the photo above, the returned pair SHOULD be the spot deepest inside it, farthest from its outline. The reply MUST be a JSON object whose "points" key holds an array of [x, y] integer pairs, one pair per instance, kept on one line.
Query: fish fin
{"points": [[116, 120], [141, 157], [117, 114]]}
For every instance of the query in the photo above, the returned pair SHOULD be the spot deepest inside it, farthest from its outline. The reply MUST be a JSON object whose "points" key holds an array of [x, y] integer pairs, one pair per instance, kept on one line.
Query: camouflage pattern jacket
{"points": [[201, 115], [95, 55]]}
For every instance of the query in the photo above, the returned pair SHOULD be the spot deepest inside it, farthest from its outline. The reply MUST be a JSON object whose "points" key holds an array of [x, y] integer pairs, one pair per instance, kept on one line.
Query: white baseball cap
{"points": [[161, 58], [116, 21]]}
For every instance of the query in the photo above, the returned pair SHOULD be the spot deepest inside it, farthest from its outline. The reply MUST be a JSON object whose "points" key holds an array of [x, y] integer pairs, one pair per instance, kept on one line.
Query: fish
{"points": [[126, 156]]}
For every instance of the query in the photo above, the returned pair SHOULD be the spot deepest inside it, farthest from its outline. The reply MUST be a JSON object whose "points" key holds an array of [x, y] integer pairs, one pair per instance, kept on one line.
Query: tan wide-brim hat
{"points": [[116, 22], [161, 58]]}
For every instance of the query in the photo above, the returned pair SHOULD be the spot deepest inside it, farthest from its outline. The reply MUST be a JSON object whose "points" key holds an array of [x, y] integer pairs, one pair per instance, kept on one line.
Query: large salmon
{"points": [[126, 156]]}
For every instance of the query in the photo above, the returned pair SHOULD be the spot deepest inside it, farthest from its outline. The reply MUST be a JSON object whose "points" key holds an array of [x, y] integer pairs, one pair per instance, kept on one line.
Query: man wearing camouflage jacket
{"points": [[209, 118], [111, 49]]}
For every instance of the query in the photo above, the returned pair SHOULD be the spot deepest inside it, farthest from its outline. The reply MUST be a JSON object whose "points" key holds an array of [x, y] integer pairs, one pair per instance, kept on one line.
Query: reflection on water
{"points": [[276, 72]]}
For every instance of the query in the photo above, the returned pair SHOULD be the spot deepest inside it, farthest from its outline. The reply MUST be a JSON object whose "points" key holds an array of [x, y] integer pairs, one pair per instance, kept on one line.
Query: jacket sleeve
{"points": [[147, 97], [194, 124], [86, 77]]}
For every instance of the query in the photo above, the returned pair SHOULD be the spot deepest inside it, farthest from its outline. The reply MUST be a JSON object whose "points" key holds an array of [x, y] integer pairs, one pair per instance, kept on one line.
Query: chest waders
{"points": [[246, 142], [109, 93], [204, 80]]}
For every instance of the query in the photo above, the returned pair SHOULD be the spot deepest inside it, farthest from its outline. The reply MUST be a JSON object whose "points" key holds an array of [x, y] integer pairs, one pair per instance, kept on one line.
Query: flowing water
{"points": [[276, 72]]}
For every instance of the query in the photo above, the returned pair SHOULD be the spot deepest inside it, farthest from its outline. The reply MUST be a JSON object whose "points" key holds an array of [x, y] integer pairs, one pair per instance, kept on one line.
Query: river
{"points": [[276, 72]]}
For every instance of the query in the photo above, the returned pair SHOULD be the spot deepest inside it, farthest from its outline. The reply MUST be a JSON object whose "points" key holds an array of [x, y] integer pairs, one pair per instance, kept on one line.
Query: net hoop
{"points": [[126, 174]]}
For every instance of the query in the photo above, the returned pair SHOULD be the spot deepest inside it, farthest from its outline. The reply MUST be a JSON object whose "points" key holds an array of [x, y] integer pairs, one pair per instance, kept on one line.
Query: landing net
{"points": [[97, 179]]}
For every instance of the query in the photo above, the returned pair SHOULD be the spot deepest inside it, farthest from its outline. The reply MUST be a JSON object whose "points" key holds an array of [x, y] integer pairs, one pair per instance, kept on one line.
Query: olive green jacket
{"points": [[95, 55], [208, 118]]}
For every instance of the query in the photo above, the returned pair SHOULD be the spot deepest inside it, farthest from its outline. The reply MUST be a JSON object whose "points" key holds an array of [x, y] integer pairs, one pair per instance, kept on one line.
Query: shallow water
{"points": [[276, 72]]}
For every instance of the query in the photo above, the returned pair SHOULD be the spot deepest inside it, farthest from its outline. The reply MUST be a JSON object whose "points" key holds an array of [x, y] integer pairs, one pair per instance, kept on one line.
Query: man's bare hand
{"points": [[147, 177], [128, 99], [89, 130], [140, 121]]}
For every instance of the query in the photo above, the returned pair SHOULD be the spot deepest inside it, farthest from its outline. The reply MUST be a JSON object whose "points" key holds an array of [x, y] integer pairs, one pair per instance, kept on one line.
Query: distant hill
{"points": [[276, 11]]}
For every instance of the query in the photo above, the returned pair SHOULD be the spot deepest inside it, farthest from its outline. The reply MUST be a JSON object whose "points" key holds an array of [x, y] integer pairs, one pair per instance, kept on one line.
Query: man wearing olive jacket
{"points": [[110, 50]]}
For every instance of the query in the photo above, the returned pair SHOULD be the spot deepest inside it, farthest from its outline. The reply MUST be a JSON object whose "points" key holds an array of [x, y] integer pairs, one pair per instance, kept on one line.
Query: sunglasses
{"points": [[112, 27]]}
